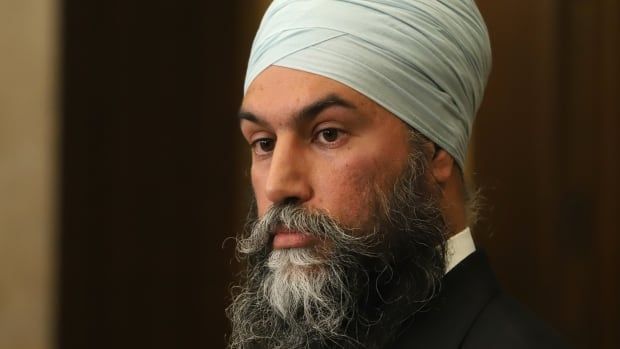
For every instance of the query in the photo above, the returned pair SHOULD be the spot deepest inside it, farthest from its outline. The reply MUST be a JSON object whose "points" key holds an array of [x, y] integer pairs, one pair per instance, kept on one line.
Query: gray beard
{"points": [[353, 293]]}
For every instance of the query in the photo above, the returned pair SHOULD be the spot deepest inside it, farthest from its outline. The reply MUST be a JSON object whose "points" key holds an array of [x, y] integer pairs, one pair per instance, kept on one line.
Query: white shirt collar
{"points": [[458, 247]]}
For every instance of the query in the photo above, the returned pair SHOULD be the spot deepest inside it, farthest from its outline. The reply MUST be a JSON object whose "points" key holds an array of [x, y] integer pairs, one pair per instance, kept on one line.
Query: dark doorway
{"points": [[147, 196]]}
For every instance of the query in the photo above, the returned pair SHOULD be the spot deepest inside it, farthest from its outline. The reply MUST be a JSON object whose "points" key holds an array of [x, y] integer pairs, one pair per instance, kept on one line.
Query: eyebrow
{"points": [[307, 113]]}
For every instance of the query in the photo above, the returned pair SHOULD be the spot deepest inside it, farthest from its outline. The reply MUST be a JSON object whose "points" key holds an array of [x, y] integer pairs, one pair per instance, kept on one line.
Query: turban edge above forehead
{"points": [[426, 61]]}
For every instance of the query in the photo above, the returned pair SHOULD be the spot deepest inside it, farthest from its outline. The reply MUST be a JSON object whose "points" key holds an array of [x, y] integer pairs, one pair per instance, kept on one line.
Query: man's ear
{"points": [[442, 166]]}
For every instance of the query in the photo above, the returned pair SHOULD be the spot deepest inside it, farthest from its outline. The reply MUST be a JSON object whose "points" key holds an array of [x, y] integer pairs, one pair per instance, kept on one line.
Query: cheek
{"points": [[258, 178], [349, 190]]}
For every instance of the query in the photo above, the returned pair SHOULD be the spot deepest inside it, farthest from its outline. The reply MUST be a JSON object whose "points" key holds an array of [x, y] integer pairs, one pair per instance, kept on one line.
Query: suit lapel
{"points": [[466, 290]]}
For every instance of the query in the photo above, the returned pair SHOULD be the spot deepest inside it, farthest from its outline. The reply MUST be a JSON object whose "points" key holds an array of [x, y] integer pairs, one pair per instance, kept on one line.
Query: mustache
{"points": [[289, 216]]}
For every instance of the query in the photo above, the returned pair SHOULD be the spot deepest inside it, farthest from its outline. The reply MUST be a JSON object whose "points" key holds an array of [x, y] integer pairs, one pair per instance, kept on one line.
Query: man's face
{"points": [[342, 205], [320, 144]]}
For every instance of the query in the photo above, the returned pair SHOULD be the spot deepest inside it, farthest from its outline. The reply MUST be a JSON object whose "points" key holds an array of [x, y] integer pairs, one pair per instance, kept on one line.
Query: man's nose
{"points": [[288, 174]]}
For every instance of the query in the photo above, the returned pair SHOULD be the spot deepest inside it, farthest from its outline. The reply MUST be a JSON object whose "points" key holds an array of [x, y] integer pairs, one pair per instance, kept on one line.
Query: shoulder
{"points": [[505, 323], [472, 312]]}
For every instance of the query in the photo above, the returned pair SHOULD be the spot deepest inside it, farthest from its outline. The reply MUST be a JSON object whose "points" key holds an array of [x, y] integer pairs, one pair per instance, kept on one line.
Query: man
{"points": [[358, 115]]}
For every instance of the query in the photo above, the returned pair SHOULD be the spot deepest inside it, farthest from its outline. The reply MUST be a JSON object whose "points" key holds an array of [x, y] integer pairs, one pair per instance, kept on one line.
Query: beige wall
{"points": [[27, 171]]}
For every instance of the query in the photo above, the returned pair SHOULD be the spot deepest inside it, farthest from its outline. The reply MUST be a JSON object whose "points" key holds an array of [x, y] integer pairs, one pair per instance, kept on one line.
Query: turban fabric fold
{"points": [[426, 61]]}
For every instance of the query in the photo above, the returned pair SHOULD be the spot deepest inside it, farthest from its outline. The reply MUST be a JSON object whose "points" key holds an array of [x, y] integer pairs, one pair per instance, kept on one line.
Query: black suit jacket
{"points": [[471, 312]]}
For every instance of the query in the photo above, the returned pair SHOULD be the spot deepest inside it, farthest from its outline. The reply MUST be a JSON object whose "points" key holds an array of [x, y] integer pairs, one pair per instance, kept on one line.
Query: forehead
{"points": [[280, 90]]}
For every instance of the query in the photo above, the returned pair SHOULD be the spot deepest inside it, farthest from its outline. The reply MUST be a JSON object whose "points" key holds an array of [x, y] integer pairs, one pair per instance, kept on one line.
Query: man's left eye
{"points": [[329, 135]]}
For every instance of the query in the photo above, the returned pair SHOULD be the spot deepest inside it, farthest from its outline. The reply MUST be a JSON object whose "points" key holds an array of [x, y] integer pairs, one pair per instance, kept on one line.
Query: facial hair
{"points": [[357, 287]]}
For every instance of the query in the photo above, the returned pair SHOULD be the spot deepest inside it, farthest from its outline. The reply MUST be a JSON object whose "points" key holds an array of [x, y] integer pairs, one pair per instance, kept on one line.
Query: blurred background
{"points": [[122, 170]]}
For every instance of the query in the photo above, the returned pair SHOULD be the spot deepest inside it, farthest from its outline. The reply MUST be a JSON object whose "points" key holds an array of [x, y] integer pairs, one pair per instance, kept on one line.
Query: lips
{"points": [[292, 239]]}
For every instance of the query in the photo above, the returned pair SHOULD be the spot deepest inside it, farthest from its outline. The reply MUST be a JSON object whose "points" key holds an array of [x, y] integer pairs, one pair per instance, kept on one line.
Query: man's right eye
{"points": [[263, 146]]}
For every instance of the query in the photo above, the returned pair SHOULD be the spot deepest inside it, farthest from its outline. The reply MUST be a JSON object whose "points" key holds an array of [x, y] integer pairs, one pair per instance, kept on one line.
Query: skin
{"points": [[324, 145]]}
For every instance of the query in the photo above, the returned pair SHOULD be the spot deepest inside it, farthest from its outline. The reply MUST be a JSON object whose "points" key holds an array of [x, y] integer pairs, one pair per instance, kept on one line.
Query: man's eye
{"points": [[329, 135], [263, 146]]}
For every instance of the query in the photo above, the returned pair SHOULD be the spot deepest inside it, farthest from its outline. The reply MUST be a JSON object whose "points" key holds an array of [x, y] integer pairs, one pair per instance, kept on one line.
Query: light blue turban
{"points": [[426, 61]]}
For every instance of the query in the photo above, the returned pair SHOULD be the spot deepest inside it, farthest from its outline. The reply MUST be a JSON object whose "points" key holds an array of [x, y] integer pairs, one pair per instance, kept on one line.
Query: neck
{"points": [[453, 204]]}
